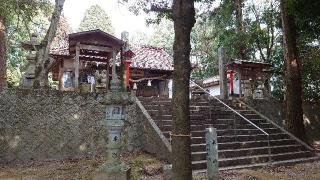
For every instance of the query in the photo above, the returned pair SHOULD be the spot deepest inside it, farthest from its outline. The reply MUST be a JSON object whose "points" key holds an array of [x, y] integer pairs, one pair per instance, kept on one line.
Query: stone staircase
{"points": [[240, 144]]}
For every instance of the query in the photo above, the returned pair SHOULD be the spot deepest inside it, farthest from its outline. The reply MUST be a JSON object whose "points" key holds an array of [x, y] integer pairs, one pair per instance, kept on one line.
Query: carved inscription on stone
{"points": [[114, 112]]}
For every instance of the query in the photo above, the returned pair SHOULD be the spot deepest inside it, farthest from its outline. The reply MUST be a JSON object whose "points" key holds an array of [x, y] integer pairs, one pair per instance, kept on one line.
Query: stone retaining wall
{"points": [[152, 139], [38, 125], [275, 111], [51, 125]]}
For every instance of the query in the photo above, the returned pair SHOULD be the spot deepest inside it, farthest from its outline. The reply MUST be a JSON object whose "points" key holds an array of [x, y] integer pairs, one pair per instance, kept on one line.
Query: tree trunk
{"points": [[294, 112], [2, 53], [184, 19], [239, 24], [44, 62]]}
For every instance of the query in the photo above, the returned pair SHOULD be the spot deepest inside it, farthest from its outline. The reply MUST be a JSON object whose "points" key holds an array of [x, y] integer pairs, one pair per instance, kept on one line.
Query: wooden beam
{"points": [[60, 75], [95, 48], [76, 66]]}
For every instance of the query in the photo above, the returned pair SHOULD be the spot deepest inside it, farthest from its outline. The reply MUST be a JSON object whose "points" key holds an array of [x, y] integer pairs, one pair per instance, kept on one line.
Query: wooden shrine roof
{"points": [[237, 63], [145, 57], [94, 37]]}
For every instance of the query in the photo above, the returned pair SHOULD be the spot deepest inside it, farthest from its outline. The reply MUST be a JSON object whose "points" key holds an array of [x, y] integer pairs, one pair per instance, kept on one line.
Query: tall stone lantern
{"points": [[29, 74], [116, 101]]}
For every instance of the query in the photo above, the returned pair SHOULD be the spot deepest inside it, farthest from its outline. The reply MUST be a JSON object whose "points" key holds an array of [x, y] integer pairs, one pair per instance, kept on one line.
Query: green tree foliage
{"points": [[20, 24], [204, 45], [21, 19], [262, 37], [96, 18], [163, 36], [307, 15]]}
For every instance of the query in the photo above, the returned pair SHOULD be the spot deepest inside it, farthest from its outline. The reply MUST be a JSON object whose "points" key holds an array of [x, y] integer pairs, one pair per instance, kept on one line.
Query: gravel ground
{"points": [[146, 167]]}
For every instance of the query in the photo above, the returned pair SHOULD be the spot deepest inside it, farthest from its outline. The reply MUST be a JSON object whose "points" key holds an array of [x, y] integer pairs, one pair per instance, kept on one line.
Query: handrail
{"points": [[231, 108]]}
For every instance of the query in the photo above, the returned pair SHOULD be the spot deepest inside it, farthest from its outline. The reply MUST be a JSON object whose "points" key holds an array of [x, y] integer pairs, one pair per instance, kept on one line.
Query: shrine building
{"points": [[84, 62]]}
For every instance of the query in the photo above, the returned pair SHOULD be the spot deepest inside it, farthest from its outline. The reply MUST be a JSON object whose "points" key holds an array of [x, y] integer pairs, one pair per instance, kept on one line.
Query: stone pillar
{"points": [[76, 66], [222, 73], [212, 151], [123, 69], [115, 82]]}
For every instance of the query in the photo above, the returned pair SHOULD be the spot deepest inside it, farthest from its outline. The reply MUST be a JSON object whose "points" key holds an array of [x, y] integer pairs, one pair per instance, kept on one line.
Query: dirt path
{"points": [[146, 167]]}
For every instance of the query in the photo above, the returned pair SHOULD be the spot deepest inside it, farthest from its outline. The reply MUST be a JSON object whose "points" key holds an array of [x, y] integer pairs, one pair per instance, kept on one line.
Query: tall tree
{"points": [[238, 4], [183, 14], [294, 111], [96, 18], [2, 53], [43, 61]]}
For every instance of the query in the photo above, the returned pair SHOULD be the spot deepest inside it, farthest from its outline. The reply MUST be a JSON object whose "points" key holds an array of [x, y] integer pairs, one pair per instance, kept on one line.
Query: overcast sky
{"points": [[122, 19]]}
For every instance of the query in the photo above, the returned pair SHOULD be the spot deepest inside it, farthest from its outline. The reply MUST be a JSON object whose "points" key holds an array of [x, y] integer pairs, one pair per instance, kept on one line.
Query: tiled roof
{"points": [[60, 47], [146, 57], [149, 57], [212, 79]]}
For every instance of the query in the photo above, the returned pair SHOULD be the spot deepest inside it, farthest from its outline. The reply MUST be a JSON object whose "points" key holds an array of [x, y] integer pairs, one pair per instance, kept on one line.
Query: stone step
{"points": [[242, 138], [232, 132], [244, 160], [237, 121], [245, 144], [165, 128], [238, 126], [169, 103], [229, 153], [251, 115]]}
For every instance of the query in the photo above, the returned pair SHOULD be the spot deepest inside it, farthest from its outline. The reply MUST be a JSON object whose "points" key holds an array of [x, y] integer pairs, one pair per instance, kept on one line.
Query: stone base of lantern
{"points": [[111, 171]]}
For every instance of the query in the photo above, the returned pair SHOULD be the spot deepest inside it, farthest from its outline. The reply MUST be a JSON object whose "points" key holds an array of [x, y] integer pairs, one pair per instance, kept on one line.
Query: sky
{"points": [[122, 19]]}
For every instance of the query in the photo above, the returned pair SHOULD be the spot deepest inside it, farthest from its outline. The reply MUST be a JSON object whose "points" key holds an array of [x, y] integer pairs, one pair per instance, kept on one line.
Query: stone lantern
{"points": [[116, 102], [113, 168], [29, 74]]}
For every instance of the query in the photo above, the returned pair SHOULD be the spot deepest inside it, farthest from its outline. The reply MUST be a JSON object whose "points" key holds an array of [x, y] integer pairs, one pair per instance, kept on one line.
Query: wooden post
{"points": [[231, 82], [240, 84], [76, 66], [108, 78], [61, 71], [222, 74]]}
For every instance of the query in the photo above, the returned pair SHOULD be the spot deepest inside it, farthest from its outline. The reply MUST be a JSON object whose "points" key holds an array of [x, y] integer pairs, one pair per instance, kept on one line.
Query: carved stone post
{"points": [[212, 151], [222, 73]]}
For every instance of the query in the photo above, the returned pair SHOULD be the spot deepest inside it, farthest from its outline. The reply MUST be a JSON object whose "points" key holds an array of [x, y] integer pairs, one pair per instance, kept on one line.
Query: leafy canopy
{"points": [[96, 18]]}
